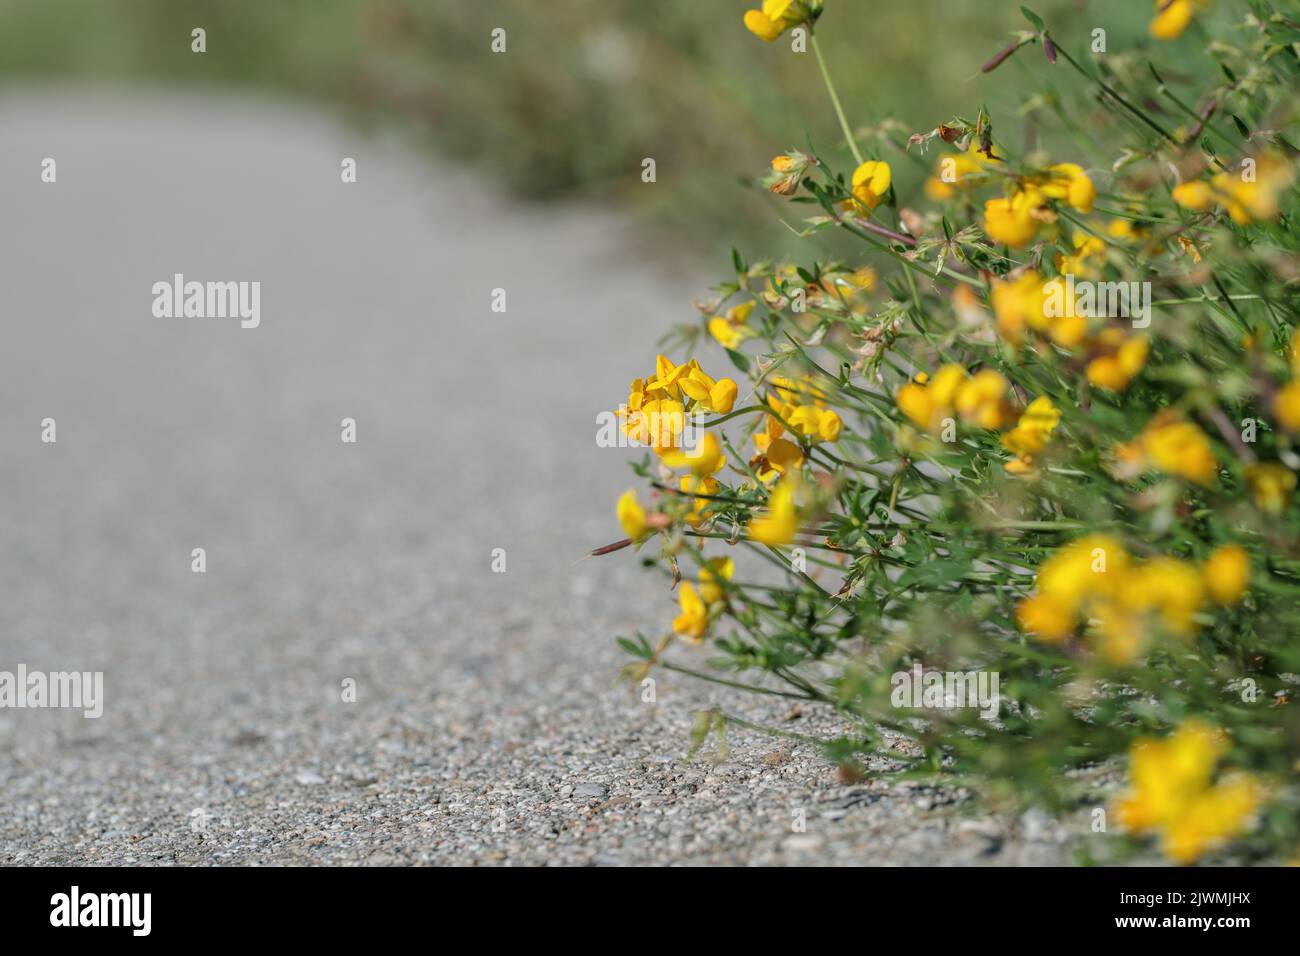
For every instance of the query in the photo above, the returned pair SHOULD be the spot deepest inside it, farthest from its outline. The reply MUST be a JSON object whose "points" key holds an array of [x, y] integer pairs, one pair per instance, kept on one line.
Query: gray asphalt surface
{"points": [[487, 727]]}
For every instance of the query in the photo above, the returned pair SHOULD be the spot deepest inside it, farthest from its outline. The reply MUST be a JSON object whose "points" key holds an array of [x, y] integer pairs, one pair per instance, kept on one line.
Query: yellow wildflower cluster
{"points": [[1126, 476], [1030, 435], [1173, 793], [1016, 220], [1021, 304], [1095, 580], [777, 527], [979, 399], [698, 606], [1028, 302], [1117, 358], [1171, 444], [656, 409], [1250, 194], [800, 406]]}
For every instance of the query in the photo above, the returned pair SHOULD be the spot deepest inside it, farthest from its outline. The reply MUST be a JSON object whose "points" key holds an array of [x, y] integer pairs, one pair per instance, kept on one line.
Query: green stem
{"points": [[835, 101], [1106, 87], [731, 683]]}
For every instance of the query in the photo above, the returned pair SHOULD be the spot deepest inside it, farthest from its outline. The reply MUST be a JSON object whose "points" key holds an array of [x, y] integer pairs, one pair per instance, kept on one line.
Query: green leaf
{"points": [[739, 359], [700, 731], [934, 573], [1033, 18], [633, 649]]}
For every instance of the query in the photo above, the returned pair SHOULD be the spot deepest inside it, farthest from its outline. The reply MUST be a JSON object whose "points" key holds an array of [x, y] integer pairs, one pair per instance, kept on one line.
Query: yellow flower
{"points": [[777, 456], [693, 622], [695, 383], [979, 400], [914, 401], [1117, 632], [1084, 568], [713, 571], [1080, 262], [816, 424], [1068, 181], [828, 427], [1015, 221], [1167, 774], [954, 171], [1179, 448], [1214, 817], [1045, 618], [728, 335], [1030, 435], [705, 459], [1170, 587], [1286, 406], [947, 383], [730, 329], [667, 376], [1249, 194], [631, 515], [1172, 793], [1172, 17], [692, 484], [1195, 195], [658, 423], [722, 397], [1117, 370], [1227, 574], [1272, 485], [1095, 579], [870, 184], [781, 522], [1019, 304], [774, 18]]}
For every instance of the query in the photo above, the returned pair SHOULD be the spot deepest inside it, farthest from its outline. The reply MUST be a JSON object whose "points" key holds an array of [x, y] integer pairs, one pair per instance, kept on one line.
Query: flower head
{"points": [[1178, 447], [781, 523], [1227, 573], [775, 17], [631, 515], [713, 571], [692, 623], [870, 184], [1271, 484], [1173, 16], [1172, 792]]}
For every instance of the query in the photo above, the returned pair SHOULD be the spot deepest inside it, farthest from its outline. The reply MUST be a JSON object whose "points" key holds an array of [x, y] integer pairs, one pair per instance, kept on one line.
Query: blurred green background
{"points": [[590, 87]]}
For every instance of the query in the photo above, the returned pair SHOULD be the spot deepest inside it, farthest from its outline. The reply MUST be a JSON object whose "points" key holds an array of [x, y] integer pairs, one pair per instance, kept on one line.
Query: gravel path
{"points": [[487, 727]]}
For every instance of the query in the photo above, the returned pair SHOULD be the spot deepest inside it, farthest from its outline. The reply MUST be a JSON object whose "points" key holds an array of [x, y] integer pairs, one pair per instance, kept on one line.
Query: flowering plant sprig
{"points": [[1040, 418]]}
